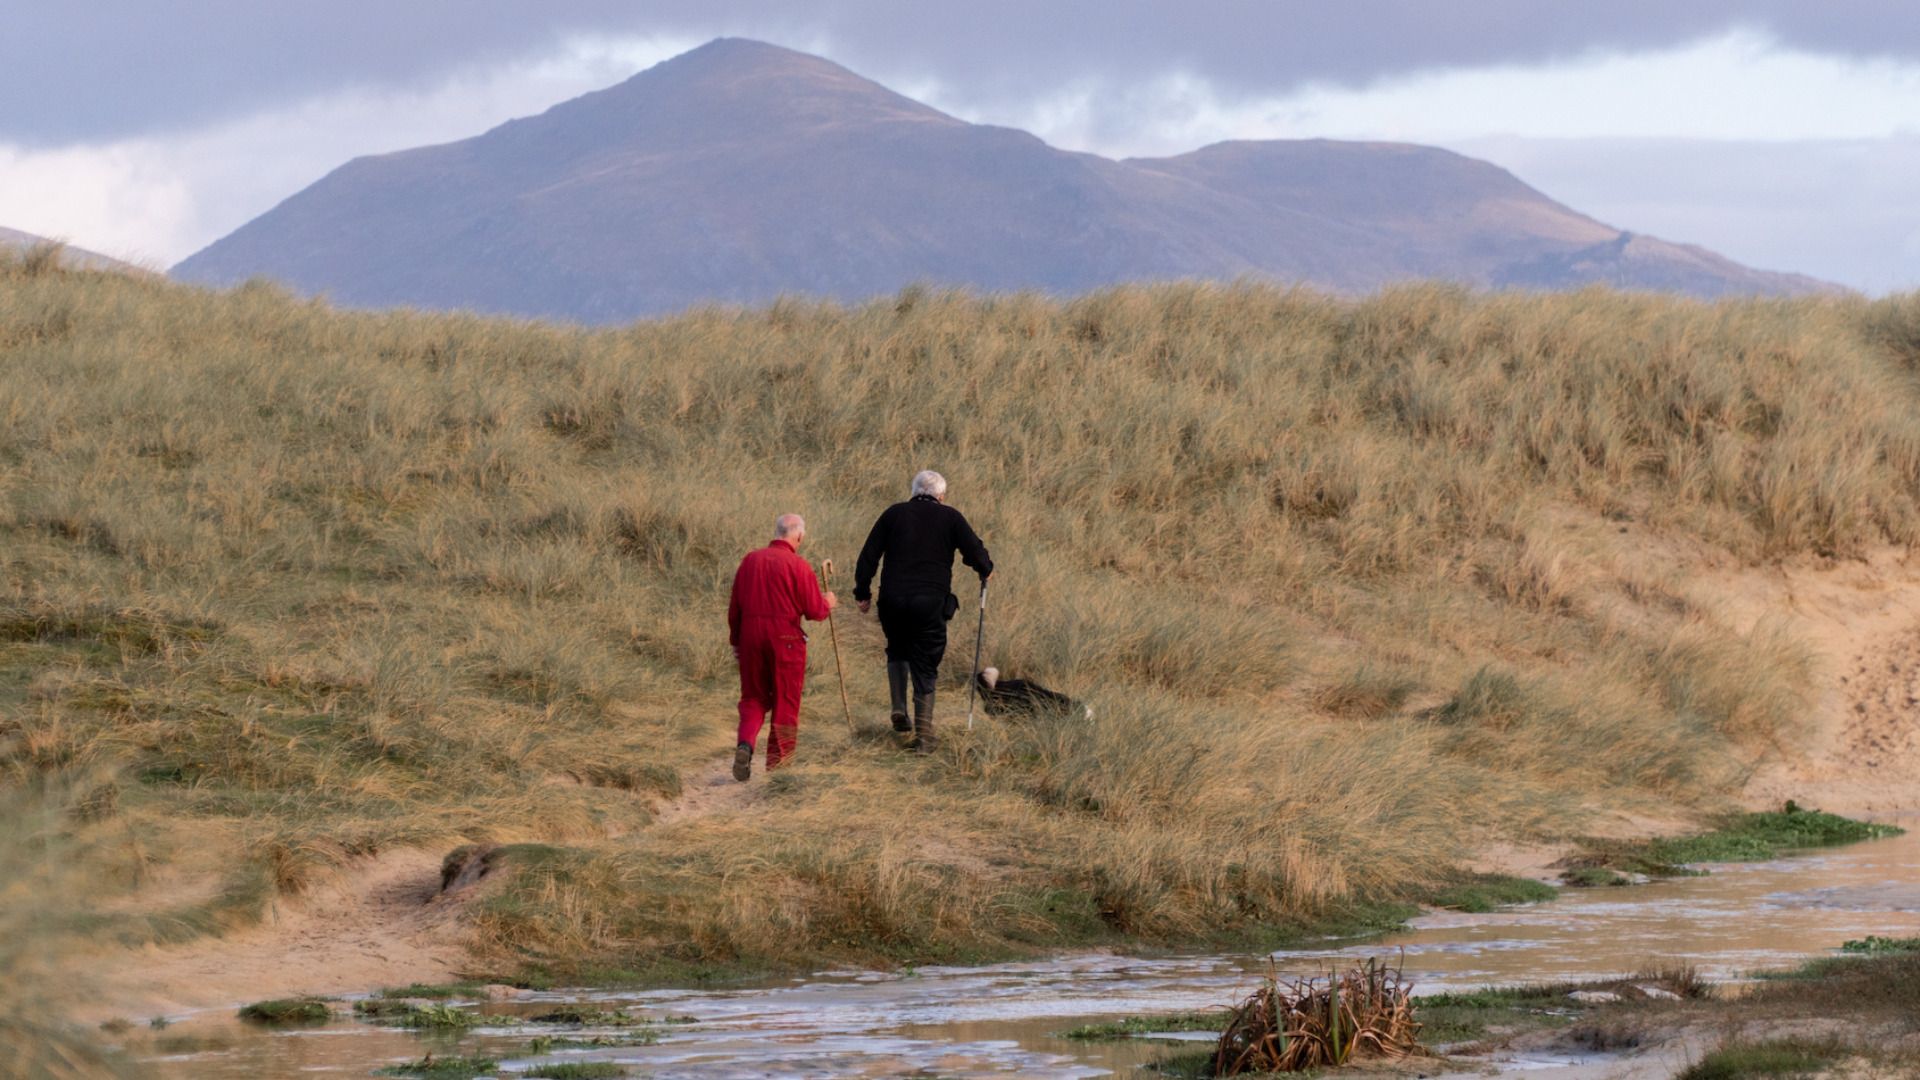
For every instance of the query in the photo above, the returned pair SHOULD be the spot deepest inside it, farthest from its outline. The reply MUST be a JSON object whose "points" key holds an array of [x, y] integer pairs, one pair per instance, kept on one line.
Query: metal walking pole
{"points": [[980, 636], [833, 633]]}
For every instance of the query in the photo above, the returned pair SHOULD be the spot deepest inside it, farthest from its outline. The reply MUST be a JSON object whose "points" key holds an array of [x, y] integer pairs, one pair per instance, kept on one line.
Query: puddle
{"points": [[1001, 1020]]}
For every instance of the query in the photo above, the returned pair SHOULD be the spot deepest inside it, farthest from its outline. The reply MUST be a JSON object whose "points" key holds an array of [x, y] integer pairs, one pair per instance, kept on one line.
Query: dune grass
{"points": [[40, 877], [1749, 837], [292, 587]]}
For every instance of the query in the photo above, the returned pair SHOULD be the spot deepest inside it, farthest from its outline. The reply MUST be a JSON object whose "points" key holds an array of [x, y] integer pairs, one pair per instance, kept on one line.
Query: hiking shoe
{"points": [[743, 762]]}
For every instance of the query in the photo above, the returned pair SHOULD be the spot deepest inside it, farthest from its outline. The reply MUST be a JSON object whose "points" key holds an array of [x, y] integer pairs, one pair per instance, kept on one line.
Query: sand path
{"points": [[383, 923], [711, 790], [1859, 753]]}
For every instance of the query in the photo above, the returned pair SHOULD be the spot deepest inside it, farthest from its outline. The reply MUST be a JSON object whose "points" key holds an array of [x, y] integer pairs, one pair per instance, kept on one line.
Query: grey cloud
{"points": [[107, 68]]}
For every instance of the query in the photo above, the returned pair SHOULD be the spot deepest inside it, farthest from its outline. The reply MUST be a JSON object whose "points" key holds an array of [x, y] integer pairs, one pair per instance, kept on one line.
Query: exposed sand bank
{"points": [[384, 924]]}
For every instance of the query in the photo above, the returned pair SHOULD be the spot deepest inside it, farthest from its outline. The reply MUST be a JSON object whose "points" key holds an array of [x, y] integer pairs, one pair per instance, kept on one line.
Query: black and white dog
{"points": [[1002, 696]]}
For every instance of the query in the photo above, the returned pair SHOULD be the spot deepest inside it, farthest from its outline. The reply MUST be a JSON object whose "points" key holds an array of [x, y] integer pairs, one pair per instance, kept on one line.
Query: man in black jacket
{"points": [[917, 539]]}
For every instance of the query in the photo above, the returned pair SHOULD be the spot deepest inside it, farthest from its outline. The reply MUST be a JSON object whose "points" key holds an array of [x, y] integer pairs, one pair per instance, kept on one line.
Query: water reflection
{"points": [[1001, 1020]]}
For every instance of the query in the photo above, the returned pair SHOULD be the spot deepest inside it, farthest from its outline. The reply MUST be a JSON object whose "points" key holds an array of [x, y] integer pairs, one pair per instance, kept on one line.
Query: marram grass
{"points": [[290, 586]]}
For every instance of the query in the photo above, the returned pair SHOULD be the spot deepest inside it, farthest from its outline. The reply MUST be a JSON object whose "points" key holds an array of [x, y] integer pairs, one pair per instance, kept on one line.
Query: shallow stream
{"points": [[1001, 1020]]}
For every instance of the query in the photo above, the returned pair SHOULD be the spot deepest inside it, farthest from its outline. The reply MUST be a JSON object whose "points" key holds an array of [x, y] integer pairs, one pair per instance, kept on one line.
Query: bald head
{"points": [[790, 527]]}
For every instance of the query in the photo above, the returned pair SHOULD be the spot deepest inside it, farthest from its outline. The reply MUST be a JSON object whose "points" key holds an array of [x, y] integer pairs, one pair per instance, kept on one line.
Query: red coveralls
{"points": [[772, 591]]}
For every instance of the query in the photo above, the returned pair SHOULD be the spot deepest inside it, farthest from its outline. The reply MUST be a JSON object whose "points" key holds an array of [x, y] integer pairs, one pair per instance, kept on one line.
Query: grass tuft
{"points": [[585, 1016], [1593, 877], [445, 1068], [1754, 837], [288, 1011], [433, 991], [1487, 892], [578, 1070], [1365, 693], [1314, 1023], [1130, 1026], [1767, 835], [439, 1016], [1874, 945], [1738, 1059]]}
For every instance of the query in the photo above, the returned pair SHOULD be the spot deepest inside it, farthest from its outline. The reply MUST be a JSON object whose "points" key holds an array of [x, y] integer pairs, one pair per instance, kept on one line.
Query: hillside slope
{"points": [[13, 240], [741, 171], [289, 589]]}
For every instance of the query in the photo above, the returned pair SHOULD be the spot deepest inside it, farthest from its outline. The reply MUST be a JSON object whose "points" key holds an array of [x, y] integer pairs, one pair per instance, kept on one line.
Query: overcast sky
{"points": [[1786, 135]]}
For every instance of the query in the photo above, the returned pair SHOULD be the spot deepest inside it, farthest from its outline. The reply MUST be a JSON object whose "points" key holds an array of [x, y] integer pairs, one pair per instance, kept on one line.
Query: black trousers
{"points": [[916, 629]]}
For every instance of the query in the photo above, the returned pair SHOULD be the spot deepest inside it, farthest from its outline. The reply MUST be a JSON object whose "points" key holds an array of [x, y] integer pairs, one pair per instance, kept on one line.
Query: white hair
{"points": [[788, 525], [928, 482]]}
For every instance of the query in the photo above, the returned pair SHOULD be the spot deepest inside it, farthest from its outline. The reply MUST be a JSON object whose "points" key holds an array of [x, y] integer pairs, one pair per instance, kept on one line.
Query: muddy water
{"points": [[1001, 1020]]}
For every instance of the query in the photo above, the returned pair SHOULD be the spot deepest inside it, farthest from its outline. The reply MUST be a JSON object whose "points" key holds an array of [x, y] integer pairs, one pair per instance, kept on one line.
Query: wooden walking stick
{"points": [[827, 568], [979, 637]]}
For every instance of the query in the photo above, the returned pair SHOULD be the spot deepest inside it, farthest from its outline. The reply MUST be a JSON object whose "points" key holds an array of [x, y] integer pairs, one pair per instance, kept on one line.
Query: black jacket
{"points": [[917, 539]]}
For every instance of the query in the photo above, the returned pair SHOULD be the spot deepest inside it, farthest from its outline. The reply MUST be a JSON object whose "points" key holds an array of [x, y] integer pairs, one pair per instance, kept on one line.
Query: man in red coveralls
{"points": [[772, 591]]}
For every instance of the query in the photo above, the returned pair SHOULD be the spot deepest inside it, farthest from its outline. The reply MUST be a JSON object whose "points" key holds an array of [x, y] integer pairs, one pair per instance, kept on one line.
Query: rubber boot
{"points": [[923, 740], [897, 676]]}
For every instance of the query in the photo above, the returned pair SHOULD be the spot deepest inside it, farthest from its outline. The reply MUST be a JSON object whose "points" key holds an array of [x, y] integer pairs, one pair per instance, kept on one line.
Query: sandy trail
{"points": [[383, 923], [712, 790]]}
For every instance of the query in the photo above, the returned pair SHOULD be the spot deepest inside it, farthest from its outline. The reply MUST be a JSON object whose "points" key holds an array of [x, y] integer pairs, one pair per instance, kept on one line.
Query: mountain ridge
{"points": [[741, 171]]}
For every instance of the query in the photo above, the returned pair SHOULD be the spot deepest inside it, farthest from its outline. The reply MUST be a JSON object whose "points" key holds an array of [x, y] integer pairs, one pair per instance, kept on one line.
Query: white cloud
{"points": [[159, 198], [1830, 198], [124, 199], [1782, 159]]}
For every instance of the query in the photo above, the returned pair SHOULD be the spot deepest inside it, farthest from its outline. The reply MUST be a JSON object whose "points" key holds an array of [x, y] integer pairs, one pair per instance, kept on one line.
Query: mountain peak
{"points": [[739, 50], [740, 81], [741, 171], [730, 59]]}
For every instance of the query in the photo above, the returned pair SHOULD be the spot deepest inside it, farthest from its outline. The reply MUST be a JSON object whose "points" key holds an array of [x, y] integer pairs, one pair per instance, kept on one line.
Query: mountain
{"points": [[79, 258], [740, 171]]}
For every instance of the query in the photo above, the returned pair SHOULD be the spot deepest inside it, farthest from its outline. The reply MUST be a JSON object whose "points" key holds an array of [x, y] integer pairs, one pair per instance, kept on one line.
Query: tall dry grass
{"points": [[314, 584], [40, 882]]}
